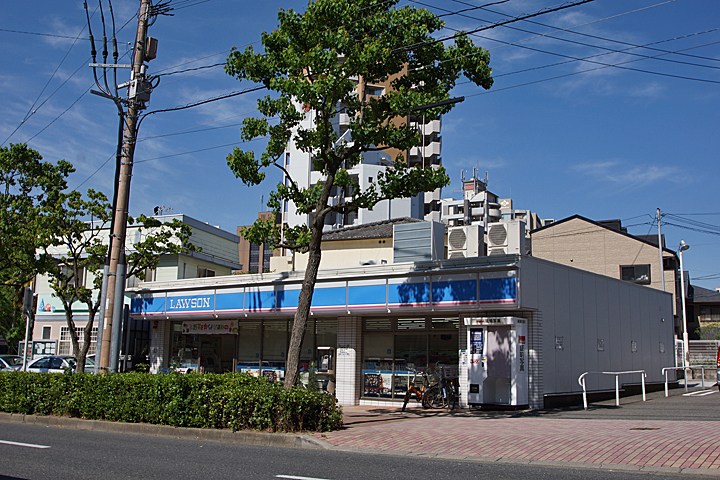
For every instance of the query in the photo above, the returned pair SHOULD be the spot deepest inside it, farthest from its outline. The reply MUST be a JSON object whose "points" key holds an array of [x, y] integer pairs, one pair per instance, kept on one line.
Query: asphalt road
{"points": [[57, 453]]}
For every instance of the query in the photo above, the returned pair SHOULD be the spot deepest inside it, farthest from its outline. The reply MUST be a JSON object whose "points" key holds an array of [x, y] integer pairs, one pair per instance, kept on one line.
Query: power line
{"points": [[694, 223], [199, 150], [574, 32], [96, 171], [203, 102], [41, 34], [32, 108], [618, 65], [498, 24], [191, 69], [549, 35], [709, 232], [688, 214]]}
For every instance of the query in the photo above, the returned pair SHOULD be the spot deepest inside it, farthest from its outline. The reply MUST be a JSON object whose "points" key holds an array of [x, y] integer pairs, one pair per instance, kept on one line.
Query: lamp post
{"points": [[686, 354]]}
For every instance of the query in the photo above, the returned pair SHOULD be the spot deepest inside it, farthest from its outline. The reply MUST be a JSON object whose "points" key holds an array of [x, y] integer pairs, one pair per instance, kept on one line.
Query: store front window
{"points": [[394, 349], [275, 345], [194, 348], [263, 345]]}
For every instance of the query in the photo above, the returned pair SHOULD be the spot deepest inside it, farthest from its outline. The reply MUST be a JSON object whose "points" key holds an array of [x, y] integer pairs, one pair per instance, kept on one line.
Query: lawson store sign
{"points": [[436, 292]]}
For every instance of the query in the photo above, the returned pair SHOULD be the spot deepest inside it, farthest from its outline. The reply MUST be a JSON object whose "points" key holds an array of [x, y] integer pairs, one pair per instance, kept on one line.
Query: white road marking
{"points": [[30, 445], [701, 393], [293, 477]]}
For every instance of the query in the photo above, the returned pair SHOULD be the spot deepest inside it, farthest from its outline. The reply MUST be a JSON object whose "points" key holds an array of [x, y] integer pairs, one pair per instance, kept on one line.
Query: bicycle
{"points": [[447, 389], [422, 395]]}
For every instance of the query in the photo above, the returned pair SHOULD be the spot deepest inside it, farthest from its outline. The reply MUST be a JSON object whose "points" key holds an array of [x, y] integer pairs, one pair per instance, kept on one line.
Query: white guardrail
{"points": [[690, 367], [581, 381]]}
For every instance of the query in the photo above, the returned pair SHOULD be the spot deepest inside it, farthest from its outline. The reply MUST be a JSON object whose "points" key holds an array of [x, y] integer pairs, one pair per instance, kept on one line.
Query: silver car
{"points": [[58, 364], [9, 363]]}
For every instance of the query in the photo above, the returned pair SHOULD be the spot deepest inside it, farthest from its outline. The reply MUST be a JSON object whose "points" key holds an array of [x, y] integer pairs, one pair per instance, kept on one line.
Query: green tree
{"points": [[76, 275], [321, 60], [30, 191]]}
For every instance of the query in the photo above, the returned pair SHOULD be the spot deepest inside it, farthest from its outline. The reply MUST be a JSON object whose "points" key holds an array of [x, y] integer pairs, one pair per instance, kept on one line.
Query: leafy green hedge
{"points": [[236, 401]]}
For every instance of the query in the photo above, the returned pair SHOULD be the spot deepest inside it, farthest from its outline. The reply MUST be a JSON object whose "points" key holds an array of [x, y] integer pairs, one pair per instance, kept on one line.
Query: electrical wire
{"points": [[618, 65], [605, 39], [544, 11], [68, 108], [694, 223], [199, 150], [192, 69], [709, 232], [40, 34], [202, 102], [549, 35], [32, 109]]}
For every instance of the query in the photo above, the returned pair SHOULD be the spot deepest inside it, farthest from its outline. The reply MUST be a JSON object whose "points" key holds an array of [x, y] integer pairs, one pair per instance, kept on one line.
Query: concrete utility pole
{"points": [[138, 94], [660, 249]]}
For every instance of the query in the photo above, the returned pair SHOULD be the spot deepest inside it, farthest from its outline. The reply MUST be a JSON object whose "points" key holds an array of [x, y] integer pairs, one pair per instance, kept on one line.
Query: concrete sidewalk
{"points": [[562, 438]]}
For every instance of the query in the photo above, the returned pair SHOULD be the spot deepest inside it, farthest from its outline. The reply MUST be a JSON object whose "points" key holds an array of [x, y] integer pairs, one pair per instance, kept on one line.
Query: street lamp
{"points": [[686, 354]]}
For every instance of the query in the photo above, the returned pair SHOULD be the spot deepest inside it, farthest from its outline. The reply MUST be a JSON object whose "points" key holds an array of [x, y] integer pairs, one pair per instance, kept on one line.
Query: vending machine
{"points": [[497, 361]]}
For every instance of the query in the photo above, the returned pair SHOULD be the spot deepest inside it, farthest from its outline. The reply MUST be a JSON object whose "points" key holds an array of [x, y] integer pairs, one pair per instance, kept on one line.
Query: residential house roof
{"points": [[612, 225], [367, 231]]}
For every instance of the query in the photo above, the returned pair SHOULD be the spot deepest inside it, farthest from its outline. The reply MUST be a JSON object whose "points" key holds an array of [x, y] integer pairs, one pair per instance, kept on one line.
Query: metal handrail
{"points": [[581, 381], [689, 367]]}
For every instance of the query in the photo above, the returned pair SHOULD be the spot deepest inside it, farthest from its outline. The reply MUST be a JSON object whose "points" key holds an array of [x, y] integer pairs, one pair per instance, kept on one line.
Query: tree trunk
{"points": [[292, 366], [71, 327], [303, 311], [81, 355]]}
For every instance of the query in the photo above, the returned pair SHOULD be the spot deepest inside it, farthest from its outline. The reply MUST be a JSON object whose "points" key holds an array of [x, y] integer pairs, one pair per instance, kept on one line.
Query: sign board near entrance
{"points": [[209, 328]]}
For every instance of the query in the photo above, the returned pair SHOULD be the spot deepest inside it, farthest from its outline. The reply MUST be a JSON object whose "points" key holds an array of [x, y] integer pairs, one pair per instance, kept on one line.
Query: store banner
{"points": [[210, 328]]}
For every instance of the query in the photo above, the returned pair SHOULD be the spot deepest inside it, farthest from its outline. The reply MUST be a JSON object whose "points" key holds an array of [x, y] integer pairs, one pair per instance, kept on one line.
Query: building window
{"points": [[393, 349], [205, 272], [669, 263], [709, 314], [65, 344], [374, 91], [267, 253], [254, 258], [69, 273], [46, 332], [635, 273]]}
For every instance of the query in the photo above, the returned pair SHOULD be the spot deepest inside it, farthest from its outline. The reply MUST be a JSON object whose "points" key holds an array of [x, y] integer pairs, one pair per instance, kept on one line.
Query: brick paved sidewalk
{"points": [[671, 446]]}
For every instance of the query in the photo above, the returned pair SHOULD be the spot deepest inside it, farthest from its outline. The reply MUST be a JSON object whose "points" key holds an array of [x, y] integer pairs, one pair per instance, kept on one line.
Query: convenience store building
{"points": [[538, 326]]}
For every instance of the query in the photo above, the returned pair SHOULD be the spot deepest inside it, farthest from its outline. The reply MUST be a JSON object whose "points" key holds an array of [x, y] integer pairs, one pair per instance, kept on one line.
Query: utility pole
{"points": [[138, 94], [660, 249]]}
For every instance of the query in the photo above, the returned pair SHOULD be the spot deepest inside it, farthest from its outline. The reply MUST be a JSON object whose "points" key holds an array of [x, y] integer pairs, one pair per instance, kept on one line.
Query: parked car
{"points": [[58, 364], [8, 363]]}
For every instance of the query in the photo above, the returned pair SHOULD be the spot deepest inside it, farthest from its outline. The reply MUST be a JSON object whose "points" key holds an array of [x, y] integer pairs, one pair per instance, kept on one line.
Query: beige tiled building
{"points": [[607, 249]]}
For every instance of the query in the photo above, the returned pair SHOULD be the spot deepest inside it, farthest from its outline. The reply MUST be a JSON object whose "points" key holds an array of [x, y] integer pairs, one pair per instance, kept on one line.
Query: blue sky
{"points": [[559, 135]]}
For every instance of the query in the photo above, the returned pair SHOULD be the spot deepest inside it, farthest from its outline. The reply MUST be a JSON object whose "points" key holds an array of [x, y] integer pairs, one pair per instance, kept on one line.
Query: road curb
{"points": [[244, 437]]}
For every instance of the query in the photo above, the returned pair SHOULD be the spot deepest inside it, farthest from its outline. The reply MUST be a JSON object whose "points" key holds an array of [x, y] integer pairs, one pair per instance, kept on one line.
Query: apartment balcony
{"points": [[454, 217], [428, 151], [430, 128], [344, 119]]}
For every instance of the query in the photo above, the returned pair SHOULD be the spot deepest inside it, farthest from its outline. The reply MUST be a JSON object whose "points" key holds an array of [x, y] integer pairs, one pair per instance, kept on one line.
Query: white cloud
{"points": [[625, 175]]}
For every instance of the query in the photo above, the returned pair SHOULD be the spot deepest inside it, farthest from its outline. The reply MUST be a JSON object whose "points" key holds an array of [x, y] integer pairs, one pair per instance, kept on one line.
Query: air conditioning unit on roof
{"points": [[465, 241], [506, 238]]}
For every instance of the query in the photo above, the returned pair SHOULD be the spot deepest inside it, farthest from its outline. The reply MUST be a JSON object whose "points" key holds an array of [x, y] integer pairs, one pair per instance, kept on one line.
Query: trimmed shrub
{"points": [[237, 401]]}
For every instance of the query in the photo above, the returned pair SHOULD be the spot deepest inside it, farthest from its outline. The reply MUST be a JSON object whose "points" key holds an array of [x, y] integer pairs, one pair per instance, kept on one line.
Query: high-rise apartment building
{"points": [[425, 206]]}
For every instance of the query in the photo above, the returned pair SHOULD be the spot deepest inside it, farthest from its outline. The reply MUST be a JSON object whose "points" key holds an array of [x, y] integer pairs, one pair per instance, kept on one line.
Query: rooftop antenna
{"points": [[161, 210], [262, 201]]}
